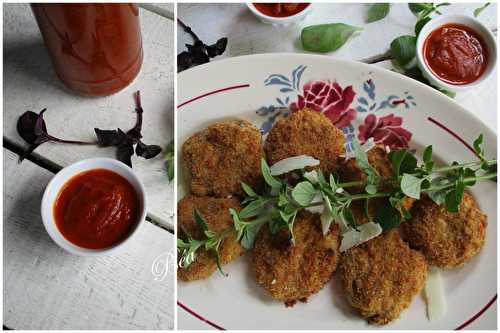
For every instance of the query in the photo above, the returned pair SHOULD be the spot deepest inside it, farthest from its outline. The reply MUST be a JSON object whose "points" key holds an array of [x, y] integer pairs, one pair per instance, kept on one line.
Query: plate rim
{"points": [[183, 76]]}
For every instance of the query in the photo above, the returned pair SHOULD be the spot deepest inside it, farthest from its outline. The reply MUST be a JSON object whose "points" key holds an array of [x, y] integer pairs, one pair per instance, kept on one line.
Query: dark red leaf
{"points": [[147, 151]]}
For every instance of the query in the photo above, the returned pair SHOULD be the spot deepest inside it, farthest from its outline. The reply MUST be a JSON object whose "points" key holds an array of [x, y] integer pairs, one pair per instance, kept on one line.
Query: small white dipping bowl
{"points": [[60, 179], [287, 20], [485, 34]]}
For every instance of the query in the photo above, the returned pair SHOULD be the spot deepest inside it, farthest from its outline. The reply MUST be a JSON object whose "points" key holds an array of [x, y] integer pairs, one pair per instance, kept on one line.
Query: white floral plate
{"points": [[366, 102]]}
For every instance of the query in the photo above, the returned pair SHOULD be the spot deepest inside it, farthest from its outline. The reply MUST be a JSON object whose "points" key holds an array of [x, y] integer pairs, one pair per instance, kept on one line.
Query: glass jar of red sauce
{"points": [[96, 49], [456, 54]]}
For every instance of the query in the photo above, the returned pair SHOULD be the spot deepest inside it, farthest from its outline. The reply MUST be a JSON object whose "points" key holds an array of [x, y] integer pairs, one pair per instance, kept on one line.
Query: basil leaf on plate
{"points": [[327, 37]]}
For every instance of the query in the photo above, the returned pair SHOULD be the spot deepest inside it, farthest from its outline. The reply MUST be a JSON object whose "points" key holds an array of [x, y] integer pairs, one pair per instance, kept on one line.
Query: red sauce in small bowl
{"points": [[281, 9], [456, 54], [96, 209]]}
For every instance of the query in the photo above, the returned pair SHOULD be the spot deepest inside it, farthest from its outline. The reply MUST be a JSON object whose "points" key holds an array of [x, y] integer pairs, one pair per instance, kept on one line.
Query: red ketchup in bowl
{"points": [[456, 54], [281, 9]]}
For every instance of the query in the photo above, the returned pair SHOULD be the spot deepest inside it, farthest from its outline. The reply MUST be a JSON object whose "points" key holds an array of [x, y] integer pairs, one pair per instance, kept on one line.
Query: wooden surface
{"points": [[45, 287], [30, 83], [247, 35]]}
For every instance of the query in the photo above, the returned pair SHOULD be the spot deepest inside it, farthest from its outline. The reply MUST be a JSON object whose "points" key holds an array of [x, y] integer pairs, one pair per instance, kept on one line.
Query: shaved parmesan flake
{"points": [[434, 295], [316, 209], [326, 220], [369, 144], [353, 238], [293, 163], [312, 176]]}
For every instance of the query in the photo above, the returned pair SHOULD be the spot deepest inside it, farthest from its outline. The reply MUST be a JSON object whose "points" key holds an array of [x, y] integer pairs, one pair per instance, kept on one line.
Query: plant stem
{"points": [[187, 29], [437, 170]]}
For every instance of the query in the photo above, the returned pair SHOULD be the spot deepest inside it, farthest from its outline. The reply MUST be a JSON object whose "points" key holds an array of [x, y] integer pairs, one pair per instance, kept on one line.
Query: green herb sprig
{"points": [[280, 202]]}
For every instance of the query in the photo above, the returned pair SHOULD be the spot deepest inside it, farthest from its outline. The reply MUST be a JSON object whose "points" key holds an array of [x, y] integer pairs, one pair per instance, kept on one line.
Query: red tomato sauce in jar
{"points": [[456, 54], [280, 9], [96, 209], [96, 48]]}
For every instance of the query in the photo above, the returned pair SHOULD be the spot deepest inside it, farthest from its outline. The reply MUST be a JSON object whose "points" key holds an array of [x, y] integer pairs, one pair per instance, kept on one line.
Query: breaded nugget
{"points": [[377, 157], [381, 277], [305, 132], [349, 171], [291, 273], [222, 156], [215, 211], [447, 239]]}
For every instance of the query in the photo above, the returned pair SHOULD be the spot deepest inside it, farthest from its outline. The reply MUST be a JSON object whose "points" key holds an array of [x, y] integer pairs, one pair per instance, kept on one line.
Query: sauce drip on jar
{"points": [[456, 54], [96, 209], [280, 9]]}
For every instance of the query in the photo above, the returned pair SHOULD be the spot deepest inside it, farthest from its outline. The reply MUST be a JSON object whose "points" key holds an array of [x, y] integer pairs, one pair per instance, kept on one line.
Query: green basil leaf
{"points": [[378, 11], [254, 208], [266, 173], [427, 155], [364, 164], [327, 37], [348, 217], [238, 224], [303, 193], [418, 7], [249, 235], [404, 51], [452, 204], [478, 11], [276, 225], [478, 145], [469, 173], [411, 186], [387, 216], [420, 24], [200, 221], [396, 157], [248, 189], [217, 260]]}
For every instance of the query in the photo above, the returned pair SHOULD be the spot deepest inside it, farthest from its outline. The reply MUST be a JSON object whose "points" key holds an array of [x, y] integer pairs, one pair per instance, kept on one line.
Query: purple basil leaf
{"points": [[40, 127], [218, 48], [147, 151], [107, 138], [26, 126], [184, 61], [124, 153]]}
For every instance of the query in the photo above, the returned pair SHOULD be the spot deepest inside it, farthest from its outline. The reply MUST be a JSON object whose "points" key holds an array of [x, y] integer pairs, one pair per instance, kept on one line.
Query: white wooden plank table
{"points": [[247, 35], [45, 287], [30, 83]]}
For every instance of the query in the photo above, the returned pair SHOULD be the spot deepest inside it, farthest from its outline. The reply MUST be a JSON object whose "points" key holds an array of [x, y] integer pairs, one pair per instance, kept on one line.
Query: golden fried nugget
{"points": [[305, 132], [377, 157], [290, 273], [446, 239], [381, 277], [215, 211], [222, 156]]}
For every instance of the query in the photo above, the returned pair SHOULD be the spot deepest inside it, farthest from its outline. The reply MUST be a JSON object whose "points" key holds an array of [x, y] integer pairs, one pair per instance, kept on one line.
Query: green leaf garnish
{"points": [[411, 185], [378, 11], [479, 10], [266, 173], [404, 51], [327, 37], [303, 193]]}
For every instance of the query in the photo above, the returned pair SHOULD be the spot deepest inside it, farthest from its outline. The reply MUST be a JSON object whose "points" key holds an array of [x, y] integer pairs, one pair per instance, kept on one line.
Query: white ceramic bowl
{"points": [[280, 20], [478, 27], [57, 182]]}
